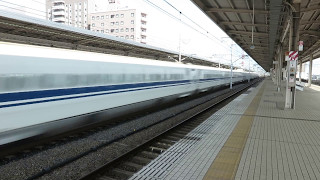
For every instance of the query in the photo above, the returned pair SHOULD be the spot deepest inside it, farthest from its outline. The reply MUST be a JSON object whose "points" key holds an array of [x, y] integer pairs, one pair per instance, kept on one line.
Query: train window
{"points": [[20, 82], [46, 81]]}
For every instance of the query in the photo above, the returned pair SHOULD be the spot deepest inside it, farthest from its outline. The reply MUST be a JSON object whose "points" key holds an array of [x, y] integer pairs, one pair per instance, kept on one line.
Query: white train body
{"points": [[39, 85]]}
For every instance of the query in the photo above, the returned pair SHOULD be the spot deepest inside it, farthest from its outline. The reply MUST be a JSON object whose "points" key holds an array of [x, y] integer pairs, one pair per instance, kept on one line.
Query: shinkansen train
{"points": [[44, 90]]}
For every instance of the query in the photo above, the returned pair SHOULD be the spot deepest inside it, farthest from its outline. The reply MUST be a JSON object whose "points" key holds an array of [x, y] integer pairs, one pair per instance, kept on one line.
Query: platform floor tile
{"points": [[190, 159], [283, 144]]}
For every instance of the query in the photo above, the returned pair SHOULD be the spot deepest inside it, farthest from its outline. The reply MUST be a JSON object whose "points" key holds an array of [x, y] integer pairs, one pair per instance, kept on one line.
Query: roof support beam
{"points": [[247, 33], [242, 24], [310, 22], [312, 33], [223, 10], [313, 8]]}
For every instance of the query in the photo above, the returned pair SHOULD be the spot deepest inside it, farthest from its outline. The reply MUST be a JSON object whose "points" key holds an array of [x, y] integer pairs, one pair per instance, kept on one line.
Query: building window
{"points": [[132, 29], [132, 21], [112, 16], [132, 14], [112, 30], [112, 23], [102, 31], [102, 17], [143, 15], [79, 4], [117, 23], [107, 30], [107, 16], [93, 25], [98, 17], [117, 30], [127, 29], [121, 30], [127, 37], [122, 37], [102, 24], [97, 30], [131, 36], [93, 18], [122, 15], [121, 22], [117, 15]]}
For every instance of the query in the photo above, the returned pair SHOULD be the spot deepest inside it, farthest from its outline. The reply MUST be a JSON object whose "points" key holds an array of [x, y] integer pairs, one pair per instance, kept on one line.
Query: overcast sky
{"points": [[207, 41], [163, 30]]}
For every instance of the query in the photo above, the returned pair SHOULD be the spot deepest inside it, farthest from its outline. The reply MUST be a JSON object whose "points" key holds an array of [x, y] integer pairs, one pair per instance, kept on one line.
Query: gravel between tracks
{"points": [[28, 166]]}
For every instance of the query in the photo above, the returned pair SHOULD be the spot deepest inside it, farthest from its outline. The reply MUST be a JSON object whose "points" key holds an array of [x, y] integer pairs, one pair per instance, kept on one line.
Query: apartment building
{"points": [[124, 23], [70, 12]]}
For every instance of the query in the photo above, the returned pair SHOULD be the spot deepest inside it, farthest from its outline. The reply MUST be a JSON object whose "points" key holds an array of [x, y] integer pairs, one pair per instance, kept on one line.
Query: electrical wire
{"points": [[177, 19], [156, 40]]}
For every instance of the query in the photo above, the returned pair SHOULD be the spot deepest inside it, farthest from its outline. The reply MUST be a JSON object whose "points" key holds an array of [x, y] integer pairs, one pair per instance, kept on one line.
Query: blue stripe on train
{"points": [[6, 97], [18, 96]]}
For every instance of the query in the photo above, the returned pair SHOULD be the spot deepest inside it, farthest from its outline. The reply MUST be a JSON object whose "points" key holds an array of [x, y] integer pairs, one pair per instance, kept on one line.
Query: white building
{"points": [[70, 12], [127, 24]]}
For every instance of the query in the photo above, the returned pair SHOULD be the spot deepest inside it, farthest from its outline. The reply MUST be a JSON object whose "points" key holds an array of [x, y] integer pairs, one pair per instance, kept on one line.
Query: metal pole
{"points": [[231, 67], [249, 70], [310, 71], [300, 70], [231, 75], [293, 45], [180, 38], [280, 68], [288, 89]]}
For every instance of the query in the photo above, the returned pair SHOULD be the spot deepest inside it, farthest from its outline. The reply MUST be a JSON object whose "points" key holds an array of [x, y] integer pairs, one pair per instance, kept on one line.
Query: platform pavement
{"points": [[283, 144], [272, 143]]}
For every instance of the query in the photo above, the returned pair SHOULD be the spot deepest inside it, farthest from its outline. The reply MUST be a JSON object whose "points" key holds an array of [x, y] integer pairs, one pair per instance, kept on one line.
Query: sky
{"points": [[199, 36]]}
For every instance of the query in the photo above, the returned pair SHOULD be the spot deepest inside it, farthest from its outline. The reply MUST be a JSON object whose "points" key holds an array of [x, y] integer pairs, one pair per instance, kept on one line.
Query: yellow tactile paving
{"points": [[226, 163]]}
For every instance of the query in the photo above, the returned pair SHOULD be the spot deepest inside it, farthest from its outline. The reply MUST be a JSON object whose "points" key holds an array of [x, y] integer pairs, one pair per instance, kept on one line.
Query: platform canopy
{"points": [[263, 24]]}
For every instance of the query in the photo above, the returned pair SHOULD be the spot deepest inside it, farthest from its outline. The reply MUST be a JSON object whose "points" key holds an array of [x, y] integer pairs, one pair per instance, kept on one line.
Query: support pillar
{"points": [[279, 69], [292, 66], [300, 70], [310, 71]]}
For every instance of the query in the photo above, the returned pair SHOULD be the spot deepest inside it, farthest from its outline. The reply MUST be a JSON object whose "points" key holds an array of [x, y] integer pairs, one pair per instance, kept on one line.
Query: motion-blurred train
{"points": [[43, 90]]}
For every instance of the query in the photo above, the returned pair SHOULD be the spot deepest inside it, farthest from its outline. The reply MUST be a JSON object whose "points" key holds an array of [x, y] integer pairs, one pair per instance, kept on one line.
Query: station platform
{"points": [[253, 137]]}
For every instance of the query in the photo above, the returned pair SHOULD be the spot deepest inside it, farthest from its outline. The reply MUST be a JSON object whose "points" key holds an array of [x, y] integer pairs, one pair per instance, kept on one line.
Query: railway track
{"points": [[123, 167], [140, 149]]}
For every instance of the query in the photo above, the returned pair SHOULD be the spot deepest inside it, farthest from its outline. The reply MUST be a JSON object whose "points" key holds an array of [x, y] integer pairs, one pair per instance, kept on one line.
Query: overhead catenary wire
{"points": [[43, 14], [206, 34], [22, 6]]}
